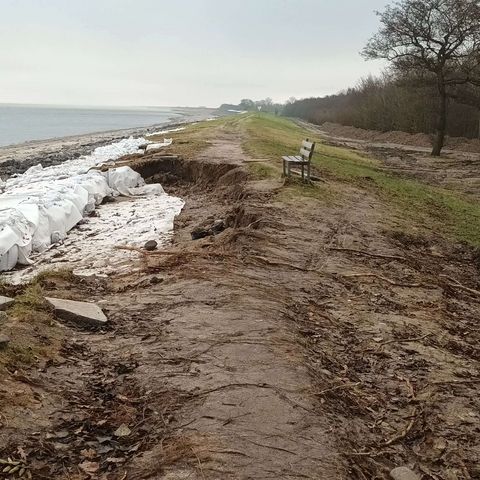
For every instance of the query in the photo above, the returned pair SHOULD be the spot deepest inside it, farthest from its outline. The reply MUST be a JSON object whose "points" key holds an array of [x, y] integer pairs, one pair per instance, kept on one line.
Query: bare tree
{"points": [[440, 38]]}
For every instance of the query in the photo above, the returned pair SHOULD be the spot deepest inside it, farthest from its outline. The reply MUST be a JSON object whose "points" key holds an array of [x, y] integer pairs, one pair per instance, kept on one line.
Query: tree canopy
{"points": [[439, 38]]}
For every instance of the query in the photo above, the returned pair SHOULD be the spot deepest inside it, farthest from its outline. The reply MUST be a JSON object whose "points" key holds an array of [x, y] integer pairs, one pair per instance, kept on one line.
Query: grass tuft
{"points": [[32, 307], [65, 274]]}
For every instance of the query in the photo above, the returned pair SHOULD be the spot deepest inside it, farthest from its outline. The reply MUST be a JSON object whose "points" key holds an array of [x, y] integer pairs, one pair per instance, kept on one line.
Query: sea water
{"points": [[20, 123]]}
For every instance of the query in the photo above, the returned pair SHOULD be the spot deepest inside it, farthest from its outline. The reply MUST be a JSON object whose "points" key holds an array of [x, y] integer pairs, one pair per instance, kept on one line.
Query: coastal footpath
{"points": [[290, 330]]}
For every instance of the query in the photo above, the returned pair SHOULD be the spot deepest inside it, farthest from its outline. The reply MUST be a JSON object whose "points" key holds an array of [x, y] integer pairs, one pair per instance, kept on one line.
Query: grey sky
{"points": [[181, 52]]}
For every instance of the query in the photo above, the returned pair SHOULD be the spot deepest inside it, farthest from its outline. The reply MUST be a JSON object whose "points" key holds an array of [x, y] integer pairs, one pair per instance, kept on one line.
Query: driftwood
{"points": [[368, 254], [147, 253], [406, 340], [169, 252], [391, 282], [456, 284], [406, 431]]}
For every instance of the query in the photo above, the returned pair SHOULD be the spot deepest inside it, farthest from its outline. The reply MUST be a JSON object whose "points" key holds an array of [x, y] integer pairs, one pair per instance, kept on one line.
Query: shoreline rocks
{"points": [[5, 302], [83, 314]]}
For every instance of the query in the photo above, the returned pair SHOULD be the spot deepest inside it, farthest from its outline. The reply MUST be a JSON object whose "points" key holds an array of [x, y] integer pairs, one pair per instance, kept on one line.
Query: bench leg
{"points": [[284, 170], [308, 172], [303, 173]]}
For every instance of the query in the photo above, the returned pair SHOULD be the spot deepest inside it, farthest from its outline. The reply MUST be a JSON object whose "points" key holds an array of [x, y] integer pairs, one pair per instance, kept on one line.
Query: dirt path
{"points": [[303, 341], [250, 414]]}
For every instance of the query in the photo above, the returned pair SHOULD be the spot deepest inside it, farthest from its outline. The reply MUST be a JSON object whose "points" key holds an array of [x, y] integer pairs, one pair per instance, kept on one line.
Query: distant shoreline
{"points": [[177, 114], [19, 157]]}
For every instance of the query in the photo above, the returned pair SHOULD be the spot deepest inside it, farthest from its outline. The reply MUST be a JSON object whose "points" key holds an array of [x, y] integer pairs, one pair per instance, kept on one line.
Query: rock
{"points": [[122, 431], [156, 280], [81, 313], [3, 316], [403, 473], [150, 245], [199, 232], [218, 226], [4, 341], [5, 302], [207, 229]]}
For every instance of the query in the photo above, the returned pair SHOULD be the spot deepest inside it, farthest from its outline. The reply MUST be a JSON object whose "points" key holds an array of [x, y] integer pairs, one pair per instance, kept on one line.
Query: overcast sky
{"points": [[181, 52]]}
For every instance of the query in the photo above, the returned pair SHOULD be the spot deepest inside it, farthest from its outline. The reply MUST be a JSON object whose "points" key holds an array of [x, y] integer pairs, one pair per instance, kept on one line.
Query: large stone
{"points": [[82, 313], [4, 341], [403, 473], [150, 246], [5, 302]]}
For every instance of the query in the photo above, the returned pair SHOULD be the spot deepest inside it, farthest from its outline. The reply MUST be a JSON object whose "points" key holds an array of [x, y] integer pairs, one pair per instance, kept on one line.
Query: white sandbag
{"points": [[157, 146], [122, 179], [130, 183], [39, 207], [9, 259], [147, 190], [95, 184], [15, 235]]}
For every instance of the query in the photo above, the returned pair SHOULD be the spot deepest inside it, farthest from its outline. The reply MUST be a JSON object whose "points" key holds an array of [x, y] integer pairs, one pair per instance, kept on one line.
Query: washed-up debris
{"points": [[14, 468], [80, 313], [5, 302], [89, 467], [57, 435]]}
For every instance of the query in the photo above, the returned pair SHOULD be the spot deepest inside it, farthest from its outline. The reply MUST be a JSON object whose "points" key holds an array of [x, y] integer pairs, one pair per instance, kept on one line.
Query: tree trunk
{"points": [[479, 123], [441, 120]]}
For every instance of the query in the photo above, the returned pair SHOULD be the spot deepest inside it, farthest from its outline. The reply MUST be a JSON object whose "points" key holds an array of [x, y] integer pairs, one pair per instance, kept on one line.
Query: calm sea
{"points": [[20, 123]]}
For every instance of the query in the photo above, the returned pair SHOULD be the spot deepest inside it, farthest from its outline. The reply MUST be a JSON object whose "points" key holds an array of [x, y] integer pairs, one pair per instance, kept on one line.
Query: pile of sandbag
{"points": [[39, 207]]}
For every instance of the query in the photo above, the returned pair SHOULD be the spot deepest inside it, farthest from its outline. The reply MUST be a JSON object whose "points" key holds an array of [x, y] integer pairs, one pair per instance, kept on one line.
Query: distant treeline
{"points": [[388, 103], [248, 105]]}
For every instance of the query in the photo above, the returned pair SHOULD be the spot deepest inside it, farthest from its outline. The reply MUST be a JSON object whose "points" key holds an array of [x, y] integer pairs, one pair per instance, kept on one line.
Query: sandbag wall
{"points": [[39, 207]]}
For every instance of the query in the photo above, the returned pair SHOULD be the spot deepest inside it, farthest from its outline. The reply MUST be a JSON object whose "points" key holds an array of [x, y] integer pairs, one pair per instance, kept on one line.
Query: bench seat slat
{"points": [[295, 159]]}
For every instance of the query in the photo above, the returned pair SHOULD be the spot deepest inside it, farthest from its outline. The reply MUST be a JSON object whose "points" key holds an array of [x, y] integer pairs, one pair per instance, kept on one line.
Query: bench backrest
{"points": [[306, 150]]}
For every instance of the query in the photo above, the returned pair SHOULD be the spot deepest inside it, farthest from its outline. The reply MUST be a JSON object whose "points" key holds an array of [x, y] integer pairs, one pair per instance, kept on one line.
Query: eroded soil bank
{"points": [[303, 337]]}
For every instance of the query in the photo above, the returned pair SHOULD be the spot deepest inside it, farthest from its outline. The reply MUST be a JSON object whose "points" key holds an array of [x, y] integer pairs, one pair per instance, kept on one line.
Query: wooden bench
{"points": [[303, 160]]}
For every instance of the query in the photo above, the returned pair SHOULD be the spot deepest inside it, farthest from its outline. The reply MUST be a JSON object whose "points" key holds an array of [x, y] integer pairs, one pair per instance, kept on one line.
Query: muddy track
{"points": [[299, 342]]}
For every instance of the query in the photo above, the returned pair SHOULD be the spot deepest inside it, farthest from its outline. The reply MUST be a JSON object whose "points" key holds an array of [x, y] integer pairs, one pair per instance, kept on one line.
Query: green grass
{"points": [[262, 170], [414, 203], [30, 326], [31, 306]]}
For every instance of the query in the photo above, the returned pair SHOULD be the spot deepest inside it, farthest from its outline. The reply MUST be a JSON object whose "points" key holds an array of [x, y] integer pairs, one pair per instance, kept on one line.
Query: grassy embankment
{"points": [[412, 203]]}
